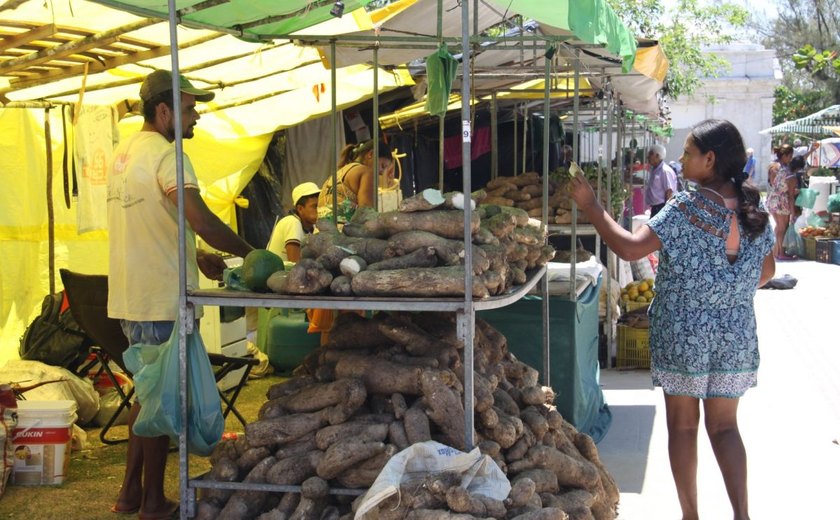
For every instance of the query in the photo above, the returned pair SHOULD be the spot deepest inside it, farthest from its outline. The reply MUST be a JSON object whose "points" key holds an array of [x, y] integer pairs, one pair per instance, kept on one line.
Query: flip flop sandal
{"points": [[124, 511]]}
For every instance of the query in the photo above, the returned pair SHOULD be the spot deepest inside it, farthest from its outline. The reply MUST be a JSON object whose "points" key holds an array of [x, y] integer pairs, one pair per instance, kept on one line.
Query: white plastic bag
{"points": [[67, 386], [480, 473]]}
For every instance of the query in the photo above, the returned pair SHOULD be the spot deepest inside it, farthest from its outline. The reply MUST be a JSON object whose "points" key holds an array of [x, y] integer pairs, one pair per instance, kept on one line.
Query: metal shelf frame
{"points": [[463, 307]]}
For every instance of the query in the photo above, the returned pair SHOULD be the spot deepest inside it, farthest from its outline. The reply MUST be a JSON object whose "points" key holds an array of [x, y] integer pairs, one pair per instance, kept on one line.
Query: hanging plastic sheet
{"points": [[440, 71]]}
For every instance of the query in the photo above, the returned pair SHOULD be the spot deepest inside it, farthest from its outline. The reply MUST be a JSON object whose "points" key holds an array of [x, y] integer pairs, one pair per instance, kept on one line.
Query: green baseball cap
{"points": [[161, 81]]}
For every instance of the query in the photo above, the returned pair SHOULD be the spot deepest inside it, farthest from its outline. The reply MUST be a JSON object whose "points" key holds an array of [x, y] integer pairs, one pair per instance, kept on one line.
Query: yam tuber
{"points": [[357, 332], [397, 435], [417, 428], [313, 491], [449, 251], [444, 407], [427, 199], [421, 257], [576, 503], [445, 223], [364, 474], [359, 431], [352, 265], [570, 471], [284, 429], [417, 281], [245, 504], [340, 286], [294, 469], [344, 454], [521, 491], [545, 481], [546, 513]]}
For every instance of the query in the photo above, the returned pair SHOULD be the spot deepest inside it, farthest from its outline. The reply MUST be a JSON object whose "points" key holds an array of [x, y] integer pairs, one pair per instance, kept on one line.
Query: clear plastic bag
{"points": [[157, 384], [792, 243]]}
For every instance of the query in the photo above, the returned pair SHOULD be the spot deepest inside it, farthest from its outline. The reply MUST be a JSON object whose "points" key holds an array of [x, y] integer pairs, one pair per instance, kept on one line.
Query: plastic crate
{"points": [[810, 248], [824, 250], [633, 347], [632, 306]]}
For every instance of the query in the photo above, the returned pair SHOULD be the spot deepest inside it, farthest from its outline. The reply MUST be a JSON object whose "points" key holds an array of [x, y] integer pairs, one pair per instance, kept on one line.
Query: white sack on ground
{"points": [[68, 387]]}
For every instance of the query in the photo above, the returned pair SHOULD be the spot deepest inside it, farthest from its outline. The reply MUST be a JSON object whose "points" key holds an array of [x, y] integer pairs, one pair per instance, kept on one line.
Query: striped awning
{"points": [[818, 124]]}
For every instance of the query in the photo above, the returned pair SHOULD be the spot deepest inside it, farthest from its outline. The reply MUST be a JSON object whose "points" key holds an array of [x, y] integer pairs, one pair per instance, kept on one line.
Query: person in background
{"points": [[677, 167], [661, 182], [143, 252], [780, 197], [354, 180], [749, 168], [799, 149], [797, 168], [714, 248], [289, 232], [568, 156]]}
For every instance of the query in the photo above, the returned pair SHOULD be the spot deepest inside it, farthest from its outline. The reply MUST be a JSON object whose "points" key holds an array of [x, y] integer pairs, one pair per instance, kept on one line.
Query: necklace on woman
{"points": [[716, 192]]}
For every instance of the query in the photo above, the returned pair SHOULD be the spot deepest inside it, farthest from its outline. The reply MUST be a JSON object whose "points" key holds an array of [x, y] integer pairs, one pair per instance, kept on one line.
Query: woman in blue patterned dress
{"points": [[715, 251]]}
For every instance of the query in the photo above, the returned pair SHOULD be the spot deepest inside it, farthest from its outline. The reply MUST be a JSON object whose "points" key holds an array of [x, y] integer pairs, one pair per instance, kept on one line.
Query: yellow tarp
{"points": [[229, 145]]}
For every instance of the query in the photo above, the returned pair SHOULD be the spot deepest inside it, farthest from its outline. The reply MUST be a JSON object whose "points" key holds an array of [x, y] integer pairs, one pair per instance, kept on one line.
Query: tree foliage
{"points": [[793, 104], [806, 36], [684, 32]]}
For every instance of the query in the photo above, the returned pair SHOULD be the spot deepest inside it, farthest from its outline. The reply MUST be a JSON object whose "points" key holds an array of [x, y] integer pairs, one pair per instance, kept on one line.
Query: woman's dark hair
{"points": [[150, 105], [797, 163], [783, 150], [722, 138], [354, 152]]}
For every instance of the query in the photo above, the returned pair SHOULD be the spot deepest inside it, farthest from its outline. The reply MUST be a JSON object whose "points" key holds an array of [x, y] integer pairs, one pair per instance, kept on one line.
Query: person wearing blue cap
{"points": [[143, 252]]}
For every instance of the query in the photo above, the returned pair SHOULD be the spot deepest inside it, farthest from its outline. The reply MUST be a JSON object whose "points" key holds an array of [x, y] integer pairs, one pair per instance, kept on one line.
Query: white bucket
{"points": [[823, 187], [41, 442]]}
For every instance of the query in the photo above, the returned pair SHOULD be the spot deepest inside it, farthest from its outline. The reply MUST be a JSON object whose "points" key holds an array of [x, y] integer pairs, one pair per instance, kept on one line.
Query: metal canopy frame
{"points": [[464, 308]]}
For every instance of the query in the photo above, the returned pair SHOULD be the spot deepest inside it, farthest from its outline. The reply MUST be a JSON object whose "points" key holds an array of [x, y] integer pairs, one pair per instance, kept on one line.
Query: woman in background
{"points": [[354, 180], [780, 197]]}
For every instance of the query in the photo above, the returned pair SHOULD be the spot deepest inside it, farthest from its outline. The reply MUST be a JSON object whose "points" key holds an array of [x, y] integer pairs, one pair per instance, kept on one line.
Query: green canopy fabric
{"points": [[252, 20], [593, 21]]}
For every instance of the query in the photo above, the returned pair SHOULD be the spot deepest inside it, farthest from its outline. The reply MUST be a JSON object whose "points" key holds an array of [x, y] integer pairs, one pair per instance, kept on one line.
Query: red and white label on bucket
{"points": [[41, 435]]}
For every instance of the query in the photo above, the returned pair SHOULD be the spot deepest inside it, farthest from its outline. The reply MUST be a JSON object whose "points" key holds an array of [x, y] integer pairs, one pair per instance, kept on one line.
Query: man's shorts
{"points": [[147, 332]]}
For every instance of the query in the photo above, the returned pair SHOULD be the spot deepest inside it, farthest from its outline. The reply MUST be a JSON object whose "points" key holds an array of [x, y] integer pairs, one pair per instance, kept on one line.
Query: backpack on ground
{"points": [[54, 337]]}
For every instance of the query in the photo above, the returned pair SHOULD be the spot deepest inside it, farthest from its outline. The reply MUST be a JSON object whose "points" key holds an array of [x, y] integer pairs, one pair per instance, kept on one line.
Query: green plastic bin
{"points": [[282, 336], [573, 350]]}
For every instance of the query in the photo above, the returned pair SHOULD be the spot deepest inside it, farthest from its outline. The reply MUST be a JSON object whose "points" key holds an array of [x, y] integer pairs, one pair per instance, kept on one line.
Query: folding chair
{"points": [[88, 298]]}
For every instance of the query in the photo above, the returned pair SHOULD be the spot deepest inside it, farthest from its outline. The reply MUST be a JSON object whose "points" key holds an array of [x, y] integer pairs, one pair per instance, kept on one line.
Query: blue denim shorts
{"points": [[147, 332]]}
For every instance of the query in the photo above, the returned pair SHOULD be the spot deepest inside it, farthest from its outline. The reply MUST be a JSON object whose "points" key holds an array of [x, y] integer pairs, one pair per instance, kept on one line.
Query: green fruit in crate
{"points": [[259, 264]]}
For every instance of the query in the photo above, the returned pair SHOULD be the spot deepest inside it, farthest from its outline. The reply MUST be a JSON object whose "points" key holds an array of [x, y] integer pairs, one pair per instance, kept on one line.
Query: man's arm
{"points": [[208, 226]]}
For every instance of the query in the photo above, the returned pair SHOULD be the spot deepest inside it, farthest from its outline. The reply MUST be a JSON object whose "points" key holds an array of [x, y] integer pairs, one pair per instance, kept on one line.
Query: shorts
{"points": [[147, 332]]}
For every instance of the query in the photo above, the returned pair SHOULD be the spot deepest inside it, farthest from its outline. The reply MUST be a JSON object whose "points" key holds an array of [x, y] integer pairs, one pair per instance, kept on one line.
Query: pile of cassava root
{"points": [[384, 383], [418, 251], [525, 192]]}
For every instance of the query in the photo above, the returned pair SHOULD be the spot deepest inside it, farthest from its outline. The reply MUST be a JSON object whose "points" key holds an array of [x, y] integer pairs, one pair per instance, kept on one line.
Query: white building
{"points": [[743, 94]]}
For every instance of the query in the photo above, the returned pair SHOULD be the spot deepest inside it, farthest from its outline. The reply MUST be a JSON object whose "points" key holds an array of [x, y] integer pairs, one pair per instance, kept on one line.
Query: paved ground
{"points": [[789, 422]]}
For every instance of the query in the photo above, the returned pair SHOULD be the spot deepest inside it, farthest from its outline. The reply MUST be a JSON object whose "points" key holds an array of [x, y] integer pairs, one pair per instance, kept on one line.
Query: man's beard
{"points": [[187, 134]]}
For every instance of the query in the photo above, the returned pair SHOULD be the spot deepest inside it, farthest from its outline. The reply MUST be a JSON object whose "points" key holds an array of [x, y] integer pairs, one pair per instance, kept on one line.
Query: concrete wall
{"points": [[743, 95]]}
